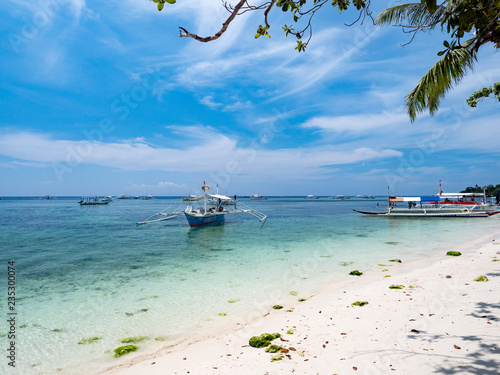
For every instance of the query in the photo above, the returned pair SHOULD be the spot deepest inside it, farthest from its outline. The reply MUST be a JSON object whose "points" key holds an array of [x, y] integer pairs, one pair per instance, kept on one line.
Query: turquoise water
{"points": [[90, 271]]}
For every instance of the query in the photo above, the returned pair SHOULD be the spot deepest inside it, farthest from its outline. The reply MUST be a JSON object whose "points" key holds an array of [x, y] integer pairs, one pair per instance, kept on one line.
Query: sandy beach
{"points": [[441, 322]]}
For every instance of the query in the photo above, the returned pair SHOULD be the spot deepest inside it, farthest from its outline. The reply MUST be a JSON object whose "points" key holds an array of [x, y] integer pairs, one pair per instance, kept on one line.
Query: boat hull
{"points": [[198, 220], [426, 213]]}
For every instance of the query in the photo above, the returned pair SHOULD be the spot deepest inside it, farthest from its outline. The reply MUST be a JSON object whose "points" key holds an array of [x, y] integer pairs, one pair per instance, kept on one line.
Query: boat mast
{"points": [[388, 200], [205, 188]]}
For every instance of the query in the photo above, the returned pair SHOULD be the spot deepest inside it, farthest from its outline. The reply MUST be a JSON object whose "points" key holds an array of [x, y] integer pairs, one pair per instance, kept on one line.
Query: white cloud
{"points": [[357, 123], [206, 151]]}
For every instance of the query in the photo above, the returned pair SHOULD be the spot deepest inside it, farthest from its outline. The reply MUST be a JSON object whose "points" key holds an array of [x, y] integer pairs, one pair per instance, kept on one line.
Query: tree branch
{"points": [[186, 34]]}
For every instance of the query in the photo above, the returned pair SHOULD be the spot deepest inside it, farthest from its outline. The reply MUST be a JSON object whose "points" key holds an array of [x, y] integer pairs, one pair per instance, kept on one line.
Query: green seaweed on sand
{"points": [[495, 260], [134, 340], [273, 349], [359, 303], [395, 260], [263, 340], [277, 307], [222, 314], [89, 340], [302, 299], [277, 357], [233, 300], [122, 350], [453, 253], [392, 242], [345, 263], [355, 273], [294, 293], [161, 338], [387, 276], [291, 331], [56, 330], [393, 286], [385, 270], [481, 279], [384, 265]]}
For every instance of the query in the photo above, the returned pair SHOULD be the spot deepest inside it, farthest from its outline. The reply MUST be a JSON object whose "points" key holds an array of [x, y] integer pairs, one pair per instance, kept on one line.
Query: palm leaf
{"points": [[413, 14], [439, 79]]}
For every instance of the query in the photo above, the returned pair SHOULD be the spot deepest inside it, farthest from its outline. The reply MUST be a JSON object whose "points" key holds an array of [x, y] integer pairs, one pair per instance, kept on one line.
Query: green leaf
{"points": [[160, 6], [170, 1], [257, 35]]}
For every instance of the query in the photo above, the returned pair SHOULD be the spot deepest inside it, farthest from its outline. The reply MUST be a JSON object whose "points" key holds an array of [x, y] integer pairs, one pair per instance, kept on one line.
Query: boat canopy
{"points": [[460, 195], [413, 199], [216, 196]]}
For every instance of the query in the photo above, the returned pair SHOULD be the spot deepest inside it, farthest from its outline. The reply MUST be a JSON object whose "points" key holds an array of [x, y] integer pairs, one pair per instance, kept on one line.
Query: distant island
{"points": [[491, 190]]}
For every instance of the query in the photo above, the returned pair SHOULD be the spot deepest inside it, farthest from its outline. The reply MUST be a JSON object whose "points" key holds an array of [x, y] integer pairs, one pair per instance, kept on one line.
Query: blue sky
{"points": [[104, 98]]}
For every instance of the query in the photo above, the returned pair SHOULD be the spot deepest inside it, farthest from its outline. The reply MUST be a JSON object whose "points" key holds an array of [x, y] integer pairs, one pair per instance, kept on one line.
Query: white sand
{"points": [[438, 325]]}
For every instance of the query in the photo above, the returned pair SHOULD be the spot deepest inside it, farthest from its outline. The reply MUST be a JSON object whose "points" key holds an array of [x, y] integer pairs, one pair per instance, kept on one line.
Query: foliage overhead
{"points": [[469, 24], [484, 93]]}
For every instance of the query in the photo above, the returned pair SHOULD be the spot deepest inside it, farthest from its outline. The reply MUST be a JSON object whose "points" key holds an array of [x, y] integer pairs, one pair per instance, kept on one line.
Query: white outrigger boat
{"points": [[211, 209], [436, 206]]}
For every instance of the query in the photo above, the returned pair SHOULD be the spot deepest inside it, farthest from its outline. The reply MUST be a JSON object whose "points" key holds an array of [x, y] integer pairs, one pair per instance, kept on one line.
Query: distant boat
{"points": [[257, 196], [341, 197], [147, 197], [123, 196], [210, 210], [93, 201], [47, 197], [310, 196], [190, 197]]}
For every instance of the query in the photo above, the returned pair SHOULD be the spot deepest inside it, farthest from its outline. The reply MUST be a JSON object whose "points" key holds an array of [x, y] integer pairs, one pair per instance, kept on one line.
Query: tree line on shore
{"points": [[490, 190]]}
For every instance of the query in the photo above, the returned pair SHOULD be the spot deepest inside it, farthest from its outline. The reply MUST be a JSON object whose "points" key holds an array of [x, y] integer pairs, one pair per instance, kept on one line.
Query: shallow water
{"points": [[85, 271]]}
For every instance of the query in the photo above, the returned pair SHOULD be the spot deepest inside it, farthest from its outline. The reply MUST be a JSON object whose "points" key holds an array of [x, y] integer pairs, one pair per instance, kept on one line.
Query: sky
{"points": [[105, 98]]}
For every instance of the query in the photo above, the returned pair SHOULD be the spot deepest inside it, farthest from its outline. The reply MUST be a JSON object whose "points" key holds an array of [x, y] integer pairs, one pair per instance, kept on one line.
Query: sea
{"points": [[87, 278]]}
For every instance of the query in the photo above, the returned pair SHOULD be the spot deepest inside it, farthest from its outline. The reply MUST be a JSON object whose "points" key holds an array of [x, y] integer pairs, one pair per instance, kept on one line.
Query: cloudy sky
{"points": [[105, 98]]}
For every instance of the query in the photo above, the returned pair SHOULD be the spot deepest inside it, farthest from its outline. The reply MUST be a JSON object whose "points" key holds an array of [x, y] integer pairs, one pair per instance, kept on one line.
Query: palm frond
{"points": [[449, 70], [412, 14]]}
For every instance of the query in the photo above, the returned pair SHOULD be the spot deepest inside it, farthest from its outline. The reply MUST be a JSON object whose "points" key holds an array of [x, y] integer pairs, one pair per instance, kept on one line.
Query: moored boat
{"points": [[431, 207], [210, 209], [93, 201]]}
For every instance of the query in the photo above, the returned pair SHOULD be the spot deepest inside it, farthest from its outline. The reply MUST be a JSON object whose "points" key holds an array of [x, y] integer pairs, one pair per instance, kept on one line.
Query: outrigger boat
{"points": [[210, 210], [93, 201], [433, 207]]}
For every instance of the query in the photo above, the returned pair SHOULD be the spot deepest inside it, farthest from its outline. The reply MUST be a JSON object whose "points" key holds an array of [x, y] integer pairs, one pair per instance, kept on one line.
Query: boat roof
{"points": [[460, 195], [216, 196], [413, 199]]}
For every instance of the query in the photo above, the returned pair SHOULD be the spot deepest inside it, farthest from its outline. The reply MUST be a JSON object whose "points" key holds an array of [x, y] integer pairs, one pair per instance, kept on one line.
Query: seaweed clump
{"points": [[134, 339], [263, 340], [453, 253], [359, 303], [122, 350], [274, 349], [277, 307], [481, 278], [355, 273], [393, 286], [395, 260], [89, 340]]}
